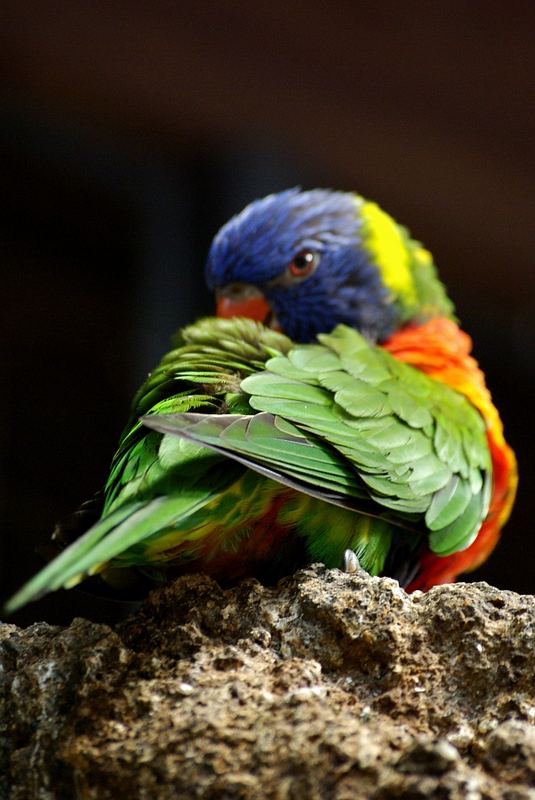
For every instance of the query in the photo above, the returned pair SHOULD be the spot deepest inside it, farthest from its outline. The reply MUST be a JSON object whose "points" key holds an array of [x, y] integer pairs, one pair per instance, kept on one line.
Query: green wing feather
{"points": [[375, 430]]}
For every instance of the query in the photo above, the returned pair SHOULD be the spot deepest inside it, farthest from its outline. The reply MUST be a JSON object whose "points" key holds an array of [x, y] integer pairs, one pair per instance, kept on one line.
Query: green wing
{"points": [[344, 420], [158, 483]]}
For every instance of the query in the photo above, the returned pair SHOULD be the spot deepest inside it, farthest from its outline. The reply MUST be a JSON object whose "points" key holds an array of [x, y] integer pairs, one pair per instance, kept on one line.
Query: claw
{"points": [[351, 562]]}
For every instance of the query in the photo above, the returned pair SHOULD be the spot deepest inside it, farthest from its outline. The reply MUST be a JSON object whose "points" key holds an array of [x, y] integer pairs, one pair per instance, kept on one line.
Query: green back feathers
{"points": [[202, 373], [345, 421]]}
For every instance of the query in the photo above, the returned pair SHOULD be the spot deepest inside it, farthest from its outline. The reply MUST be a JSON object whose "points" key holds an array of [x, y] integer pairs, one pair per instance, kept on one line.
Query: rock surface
{"points": [[326, 686]]}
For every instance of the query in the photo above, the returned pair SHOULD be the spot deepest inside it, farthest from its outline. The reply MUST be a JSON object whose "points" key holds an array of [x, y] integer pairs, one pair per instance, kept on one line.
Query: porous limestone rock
{"points": [[328, 685]]}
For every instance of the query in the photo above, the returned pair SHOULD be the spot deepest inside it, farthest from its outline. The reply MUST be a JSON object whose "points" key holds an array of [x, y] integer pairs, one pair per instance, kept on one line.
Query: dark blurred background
{"points": [[131, 131]]}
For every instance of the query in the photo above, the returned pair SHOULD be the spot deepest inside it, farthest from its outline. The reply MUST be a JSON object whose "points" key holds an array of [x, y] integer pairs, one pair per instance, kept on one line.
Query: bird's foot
{"points": [[350, 562]]}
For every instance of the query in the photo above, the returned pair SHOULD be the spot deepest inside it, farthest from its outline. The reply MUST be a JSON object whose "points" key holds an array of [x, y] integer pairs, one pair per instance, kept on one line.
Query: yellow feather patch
{"points": [[384, 241], [235, 509]]}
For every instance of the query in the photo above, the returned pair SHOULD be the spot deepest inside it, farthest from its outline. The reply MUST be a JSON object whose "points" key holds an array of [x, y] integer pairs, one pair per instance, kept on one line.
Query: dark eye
{"points": [[304, 264]]}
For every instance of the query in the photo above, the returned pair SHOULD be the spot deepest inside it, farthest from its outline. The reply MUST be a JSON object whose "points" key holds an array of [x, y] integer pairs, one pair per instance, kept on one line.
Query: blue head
{"points": [[308, 254]]}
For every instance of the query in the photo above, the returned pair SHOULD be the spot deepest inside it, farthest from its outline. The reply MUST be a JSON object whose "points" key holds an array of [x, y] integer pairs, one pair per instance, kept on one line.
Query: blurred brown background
{"points": [[130, 131]]}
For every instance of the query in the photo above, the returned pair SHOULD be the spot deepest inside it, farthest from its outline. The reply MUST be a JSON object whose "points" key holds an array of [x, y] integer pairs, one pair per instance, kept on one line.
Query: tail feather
{"points": [[127, 526], [63, 571]]}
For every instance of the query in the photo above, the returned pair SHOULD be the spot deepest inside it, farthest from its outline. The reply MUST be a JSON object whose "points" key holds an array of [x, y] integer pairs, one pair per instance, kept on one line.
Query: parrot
{"points": [[331, 411]]}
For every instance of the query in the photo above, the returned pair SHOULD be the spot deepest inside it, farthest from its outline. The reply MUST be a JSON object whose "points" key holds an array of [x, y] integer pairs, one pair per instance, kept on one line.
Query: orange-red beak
{"points": [[252, 307]]}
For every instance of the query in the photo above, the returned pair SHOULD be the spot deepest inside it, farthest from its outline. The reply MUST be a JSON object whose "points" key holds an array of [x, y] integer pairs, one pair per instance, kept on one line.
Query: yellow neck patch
{"points": [[383, 239]]}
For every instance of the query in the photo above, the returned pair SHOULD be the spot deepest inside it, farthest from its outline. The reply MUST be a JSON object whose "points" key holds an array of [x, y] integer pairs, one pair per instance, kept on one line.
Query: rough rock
{"points": [[326, 686]]}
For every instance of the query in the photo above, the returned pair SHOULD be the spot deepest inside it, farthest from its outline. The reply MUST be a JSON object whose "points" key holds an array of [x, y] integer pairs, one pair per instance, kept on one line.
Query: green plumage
{"points": [[367, 424], [354, 446]]}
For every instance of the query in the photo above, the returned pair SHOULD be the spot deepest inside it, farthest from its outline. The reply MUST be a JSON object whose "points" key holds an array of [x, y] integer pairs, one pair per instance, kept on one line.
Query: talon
{"points": [[351, 562]]}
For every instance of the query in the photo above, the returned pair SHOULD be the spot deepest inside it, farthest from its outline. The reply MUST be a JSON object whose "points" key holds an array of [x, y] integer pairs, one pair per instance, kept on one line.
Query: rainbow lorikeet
{"points": [[332, 411]]}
